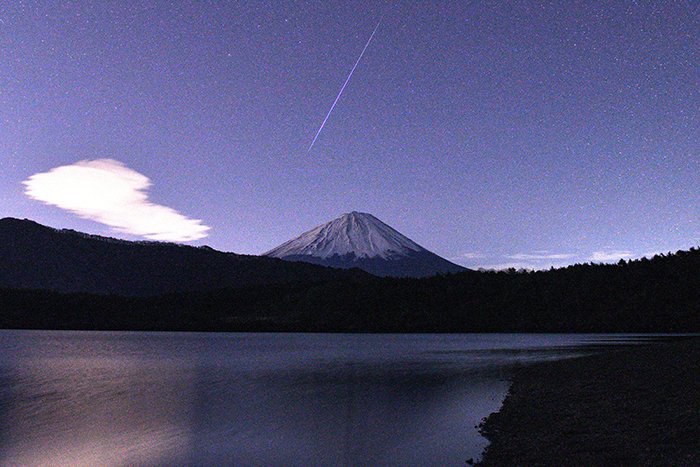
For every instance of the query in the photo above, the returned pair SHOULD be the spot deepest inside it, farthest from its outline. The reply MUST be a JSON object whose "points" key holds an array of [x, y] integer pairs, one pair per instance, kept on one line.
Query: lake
{"points": [[116, 398]]}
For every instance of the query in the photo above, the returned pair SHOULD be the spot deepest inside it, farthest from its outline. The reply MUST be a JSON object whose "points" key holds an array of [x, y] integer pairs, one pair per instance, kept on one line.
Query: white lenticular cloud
{"points": [[108, 192], [610, 255]]}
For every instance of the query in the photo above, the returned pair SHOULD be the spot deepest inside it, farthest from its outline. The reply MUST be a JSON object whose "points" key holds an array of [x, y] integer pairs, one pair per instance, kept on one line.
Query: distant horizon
{"points": [[596, 258]]}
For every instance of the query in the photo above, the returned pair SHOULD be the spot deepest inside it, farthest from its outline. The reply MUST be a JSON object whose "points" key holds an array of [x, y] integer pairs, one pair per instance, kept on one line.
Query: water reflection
{"points": [[94, 411], [72, 398]]}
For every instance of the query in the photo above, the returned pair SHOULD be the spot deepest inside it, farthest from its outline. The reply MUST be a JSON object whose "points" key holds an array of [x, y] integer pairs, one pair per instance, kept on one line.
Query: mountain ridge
{"points": [[34, 256]]}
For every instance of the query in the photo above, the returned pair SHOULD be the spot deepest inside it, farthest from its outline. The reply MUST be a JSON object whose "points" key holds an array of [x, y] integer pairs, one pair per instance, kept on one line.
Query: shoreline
{"points": [[630, 406]]}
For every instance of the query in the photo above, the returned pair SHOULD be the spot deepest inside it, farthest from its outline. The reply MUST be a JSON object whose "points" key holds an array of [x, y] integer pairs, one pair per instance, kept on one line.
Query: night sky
{"points": [[492, 133]]}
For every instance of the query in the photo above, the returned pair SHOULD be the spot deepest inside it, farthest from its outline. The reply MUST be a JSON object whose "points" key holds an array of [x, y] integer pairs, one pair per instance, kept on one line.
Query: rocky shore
{"points": [[631, 406]]}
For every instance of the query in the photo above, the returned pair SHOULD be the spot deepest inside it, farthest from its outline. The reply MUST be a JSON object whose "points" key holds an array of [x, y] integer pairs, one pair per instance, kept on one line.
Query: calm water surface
{"points": [[112, 398]]}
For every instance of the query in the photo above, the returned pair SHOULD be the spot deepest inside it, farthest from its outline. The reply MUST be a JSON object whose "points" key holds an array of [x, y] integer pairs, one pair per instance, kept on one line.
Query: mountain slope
{"points": [[361, 240], [33, 256]]}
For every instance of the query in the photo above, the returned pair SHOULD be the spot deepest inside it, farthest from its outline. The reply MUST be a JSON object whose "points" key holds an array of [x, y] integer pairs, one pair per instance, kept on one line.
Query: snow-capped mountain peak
{"points": [[357, 233], [360, 240]]}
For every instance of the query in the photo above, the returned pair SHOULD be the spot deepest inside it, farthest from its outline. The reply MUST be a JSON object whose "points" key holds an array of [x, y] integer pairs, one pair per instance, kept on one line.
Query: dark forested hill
{"points": [[661, 294], [33, 256]]}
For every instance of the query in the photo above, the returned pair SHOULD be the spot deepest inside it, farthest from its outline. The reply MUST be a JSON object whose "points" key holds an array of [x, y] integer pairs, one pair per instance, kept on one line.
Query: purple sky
{"points": [[524, 133]]}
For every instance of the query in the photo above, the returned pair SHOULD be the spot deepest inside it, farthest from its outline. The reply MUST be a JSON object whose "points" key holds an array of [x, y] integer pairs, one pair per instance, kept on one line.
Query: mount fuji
{"points": [[360, 240]]}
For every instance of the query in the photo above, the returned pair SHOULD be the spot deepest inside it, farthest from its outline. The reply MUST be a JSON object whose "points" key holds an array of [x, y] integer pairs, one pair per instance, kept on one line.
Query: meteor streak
{"points": [[343, 88]]}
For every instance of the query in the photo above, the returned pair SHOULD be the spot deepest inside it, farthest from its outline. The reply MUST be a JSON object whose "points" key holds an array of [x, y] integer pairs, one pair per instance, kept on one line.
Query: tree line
{"points": [[661, 294]]}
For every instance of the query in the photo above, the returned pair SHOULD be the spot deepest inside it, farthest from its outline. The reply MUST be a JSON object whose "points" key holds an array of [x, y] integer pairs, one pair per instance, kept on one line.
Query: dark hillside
{"points": [[33, 256], [661, 294]]}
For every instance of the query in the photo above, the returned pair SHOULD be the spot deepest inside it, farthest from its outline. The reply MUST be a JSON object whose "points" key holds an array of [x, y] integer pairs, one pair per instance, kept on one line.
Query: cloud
{"points": [[540, 256], [610, 255], [108, 192], [537, 260], [470, 255]]}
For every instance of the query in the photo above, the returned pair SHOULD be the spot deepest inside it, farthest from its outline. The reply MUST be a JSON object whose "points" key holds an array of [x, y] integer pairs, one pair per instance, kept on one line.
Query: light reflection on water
{"points": [[89, 398]]}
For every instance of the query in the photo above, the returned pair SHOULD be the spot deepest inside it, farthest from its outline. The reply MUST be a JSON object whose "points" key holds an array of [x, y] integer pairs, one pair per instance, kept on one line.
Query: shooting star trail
{"points": [[344, 84]]}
